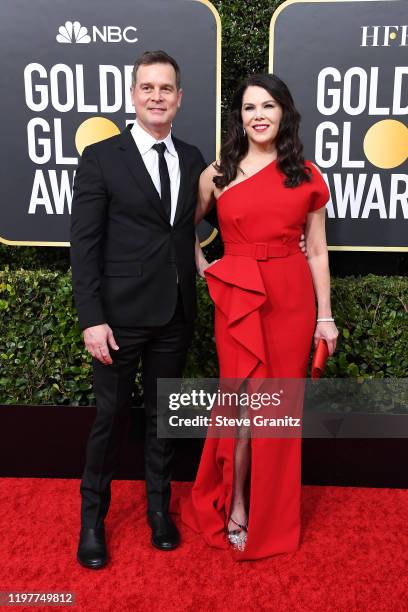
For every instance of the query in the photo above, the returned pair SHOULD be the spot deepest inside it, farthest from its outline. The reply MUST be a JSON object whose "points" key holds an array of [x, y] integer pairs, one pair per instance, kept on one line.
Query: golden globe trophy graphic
{"points": [[386, 144], [94, 130], [350, 83]]}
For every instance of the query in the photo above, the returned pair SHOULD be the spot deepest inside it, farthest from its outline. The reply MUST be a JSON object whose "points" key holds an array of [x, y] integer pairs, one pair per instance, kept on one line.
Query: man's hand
{"points": [[97, 340], [302, 245]]}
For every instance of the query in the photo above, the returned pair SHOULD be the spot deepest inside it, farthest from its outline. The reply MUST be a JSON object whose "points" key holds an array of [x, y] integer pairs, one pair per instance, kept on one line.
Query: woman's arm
{"points": [[318, 261], [206, 196], [205, 201]]}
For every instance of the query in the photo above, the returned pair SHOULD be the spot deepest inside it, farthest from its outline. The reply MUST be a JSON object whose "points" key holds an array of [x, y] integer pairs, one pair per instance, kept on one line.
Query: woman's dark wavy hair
{"points": [[289, 147]]}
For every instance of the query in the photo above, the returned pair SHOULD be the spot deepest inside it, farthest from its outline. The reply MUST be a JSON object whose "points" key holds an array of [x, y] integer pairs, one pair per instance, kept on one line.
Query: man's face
{"points": [[156, 98]]}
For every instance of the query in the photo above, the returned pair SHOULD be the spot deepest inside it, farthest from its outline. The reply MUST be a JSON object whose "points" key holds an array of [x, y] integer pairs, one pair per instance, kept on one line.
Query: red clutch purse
{"points": [[319, 359]]}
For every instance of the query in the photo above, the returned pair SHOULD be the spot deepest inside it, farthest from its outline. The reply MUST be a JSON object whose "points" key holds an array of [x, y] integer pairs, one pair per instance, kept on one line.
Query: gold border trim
{"points": [[399, 249], [274, 17], [217, 17], [210, 238], [23, 243]]}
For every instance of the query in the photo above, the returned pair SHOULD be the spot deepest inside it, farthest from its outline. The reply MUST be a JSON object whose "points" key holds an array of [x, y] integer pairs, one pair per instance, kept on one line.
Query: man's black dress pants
{"points": [[162, 351]]}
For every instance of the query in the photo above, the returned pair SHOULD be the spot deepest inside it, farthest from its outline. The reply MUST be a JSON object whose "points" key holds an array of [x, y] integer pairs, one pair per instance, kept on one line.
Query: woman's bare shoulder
{"points": [[210, 171], [208, 175]]}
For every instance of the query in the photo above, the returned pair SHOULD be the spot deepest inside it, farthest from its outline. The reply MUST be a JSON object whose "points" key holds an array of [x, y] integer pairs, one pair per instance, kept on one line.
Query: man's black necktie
{"points": [[160, 147]]}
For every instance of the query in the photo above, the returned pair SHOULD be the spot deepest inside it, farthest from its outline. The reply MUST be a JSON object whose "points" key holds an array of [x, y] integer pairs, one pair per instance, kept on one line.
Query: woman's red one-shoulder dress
{"points": [[264, 322]]}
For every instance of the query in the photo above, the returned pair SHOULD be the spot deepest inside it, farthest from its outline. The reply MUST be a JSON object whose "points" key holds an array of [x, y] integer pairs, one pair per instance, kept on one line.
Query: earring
{"points": [[244, 132]]}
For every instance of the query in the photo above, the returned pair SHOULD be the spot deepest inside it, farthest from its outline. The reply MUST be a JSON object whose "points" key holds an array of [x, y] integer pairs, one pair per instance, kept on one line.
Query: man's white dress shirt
{"points": [[144, 142]]}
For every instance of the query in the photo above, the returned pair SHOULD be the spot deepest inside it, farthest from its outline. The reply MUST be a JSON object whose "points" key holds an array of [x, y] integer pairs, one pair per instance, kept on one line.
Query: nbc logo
{"points": [[73, 32]]}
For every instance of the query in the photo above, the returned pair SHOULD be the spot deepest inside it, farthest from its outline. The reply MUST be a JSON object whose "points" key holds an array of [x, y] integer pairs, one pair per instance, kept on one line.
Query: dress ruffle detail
{"points": [[237, 289]]}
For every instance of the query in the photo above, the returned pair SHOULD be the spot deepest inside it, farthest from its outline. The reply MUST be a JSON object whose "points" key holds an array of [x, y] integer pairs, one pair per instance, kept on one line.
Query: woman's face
{"points": [[261, 115]]}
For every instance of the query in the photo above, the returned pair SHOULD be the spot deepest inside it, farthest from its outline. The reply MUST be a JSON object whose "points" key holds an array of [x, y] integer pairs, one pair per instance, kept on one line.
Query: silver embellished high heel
{"points": [[238, 537]]}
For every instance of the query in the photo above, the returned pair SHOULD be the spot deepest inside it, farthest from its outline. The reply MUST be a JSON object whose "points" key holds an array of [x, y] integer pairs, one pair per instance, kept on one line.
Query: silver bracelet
{"points": [[325, 319]]}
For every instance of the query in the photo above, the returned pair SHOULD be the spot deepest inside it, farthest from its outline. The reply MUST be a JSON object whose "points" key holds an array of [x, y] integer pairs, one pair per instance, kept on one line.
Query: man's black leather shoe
{"points": [[165, 535], [92, 548]]}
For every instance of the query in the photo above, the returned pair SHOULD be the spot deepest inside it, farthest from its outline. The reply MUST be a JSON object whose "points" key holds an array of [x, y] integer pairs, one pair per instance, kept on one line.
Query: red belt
{"points": [[259, 250]]}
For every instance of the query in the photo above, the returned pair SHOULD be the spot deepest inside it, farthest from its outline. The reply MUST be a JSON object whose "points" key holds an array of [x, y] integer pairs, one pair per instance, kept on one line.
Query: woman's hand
{"points": [[302, 245], [329, 332], [203, 265]]}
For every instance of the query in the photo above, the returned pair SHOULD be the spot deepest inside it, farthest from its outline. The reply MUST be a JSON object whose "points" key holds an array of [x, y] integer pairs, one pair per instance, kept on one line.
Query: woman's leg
{"points": [[242, 461]]}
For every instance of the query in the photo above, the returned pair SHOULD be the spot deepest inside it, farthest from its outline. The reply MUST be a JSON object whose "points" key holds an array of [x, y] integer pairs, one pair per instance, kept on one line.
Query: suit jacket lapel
{"points": [[182, 195], [133, 160]]}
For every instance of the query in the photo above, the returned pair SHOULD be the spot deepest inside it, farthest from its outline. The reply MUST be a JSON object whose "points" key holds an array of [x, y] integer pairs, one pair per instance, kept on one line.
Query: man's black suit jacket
{"points": [[125, 256]]}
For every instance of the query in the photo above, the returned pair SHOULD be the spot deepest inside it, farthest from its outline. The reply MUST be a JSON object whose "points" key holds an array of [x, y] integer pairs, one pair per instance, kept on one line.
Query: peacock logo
{"points": [[73, 32]]}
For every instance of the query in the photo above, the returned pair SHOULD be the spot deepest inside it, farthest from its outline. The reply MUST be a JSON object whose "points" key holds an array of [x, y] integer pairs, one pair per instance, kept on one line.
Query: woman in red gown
{"points": [[264, 292]]}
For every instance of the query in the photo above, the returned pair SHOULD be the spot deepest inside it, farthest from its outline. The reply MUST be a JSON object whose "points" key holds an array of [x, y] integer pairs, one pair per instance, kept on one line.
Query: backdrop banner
{"points": [[66, 75], [345, 62]]}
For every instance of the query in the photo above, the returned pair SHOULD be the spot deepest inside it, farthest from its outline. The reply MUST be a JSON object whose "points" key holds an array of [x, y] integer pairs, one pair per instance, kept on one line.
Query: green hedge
{"points": [[42, 359], [41, 352]]}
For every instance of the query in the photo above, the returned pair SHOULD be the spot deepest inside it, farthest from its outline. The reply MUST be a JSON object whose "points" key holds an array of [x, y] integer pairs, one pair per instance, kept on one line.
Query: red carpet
{"points": [[354, 555]]}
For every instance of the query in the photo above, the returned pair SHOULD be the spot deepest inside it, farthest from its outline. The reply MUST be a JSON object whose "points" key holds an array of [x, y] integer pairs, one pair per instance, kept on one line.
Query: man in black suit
{"points": [[133, 270]]}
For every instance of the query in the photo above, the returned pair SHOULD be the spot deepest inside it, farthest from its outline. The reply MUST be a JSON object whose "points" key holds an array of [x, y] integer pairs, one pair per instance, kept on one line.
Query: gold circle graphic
{"points": [[93, 130], [393, 36], [386, 144]]}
